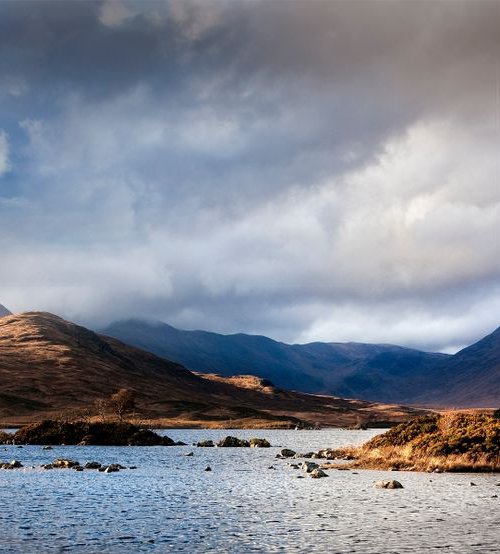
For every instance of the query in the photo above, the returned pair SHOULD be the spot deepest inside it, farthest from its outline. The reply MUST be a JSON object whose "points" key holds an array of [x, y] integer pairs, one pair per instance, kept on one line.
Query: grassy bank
{"points": [[460, 441]]}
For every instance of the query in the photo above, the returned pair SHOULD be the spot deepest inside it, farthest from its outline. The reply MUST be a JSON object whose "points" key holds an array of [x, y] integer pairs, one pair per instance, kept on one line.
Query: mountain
{"points": [[386, 373], [4, 311], [49, 365], [471, 377]]}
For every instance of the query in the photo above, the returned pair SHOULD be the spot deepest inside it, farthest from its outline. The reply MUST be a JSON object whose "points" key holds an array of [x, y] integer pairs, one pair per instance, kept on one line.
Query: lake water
{"points": [[170, 504]]}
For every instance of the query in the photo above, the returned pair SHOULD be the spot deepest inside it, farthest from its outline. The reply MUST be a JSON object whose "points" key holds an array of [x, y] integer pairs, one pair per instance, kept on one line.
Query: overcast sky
{"points": [[305, 170]]}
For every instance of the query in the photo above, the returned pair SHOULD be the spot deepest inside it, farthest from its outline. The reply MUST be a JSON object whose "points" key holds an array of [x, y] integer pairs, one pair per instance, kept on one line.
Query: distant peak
{"points": [[4, 311]]}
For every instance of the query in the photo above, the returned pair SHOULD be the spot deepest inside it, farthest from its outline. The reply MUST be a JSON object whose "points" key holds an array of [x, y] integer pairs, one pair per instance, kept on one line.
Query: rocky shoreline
{"points": [[461, 442]]}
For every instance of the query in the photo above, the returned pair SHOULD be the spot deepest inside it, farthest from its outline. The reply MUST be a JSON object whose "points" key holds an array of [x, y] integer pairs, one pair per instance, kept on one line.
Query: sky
{"points": [[305, 170]]}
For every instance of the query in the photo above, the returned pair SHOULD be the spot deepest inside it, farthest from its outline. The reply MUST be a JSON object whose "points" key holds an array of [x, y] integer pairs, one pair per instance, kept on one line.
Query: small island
{"points": [[52, 432], [453, 441]]}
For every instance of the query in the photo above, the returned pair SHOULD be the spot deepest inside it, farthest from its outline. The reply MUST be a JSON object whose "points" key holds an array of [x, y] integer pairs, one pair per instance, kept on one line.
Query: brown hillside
{"points": [[48, 365]]}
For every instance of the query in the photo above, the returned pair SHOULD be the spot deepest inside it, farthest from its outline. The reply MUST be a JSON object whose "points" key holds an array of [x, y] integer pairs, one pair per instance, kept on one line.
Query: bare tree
{"points": [[101, 406], [122, 402]]}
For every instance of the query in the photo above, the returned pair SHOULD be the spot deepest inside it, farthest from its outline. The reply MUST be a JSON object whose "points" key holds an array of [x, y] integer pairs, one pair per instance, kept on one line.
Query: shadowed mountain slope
{"points": [[48, 364], [472, 376], [4, 311], [386, 373]]}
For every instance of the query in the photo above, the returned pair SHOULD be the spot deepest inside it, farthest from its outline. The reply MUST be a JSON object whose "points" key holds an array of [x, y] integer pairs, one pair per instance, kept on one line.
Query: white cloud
{"points": [[4, 153], [114, 13]]}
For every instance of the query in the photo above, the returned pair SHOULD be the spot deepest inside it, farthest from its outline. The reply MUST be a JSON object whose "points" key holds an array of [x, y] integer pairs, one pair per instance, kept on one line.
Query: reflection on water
{"points": [[171, 504]]}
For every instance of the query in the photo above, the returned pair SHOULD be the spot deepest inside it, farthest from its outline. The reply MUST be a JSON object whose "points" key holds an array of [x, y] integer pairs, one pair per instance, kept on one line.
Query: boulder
{"points": [[63, 463], [92, 465], [259, 443], [112, 468], [189, 454], [388, 484], [229, 442], [318, 473], [208, 468], [205, 444], [309, 467], [286, 453], [15, 464]]}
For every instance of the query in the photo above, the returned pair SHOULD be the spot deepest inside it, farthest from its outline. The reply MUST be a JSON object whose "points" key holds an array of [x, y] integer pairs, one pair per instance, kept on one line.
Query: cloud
{"points": [[4, 153], [308, 171]]}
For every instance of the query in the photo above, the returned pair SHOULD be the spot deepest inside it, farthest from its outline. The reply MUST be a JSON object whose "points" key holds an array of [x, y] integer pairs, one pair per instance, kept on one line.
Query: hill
{"points": [[49, 365], [450, 442], [381, 372], [4, 311]]}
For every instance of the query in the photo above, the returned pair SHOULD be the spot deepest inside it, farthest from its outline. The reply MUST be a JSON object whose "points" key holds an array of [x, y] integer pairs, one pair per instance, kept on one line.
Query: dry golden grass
{"points": [[455, 441]]}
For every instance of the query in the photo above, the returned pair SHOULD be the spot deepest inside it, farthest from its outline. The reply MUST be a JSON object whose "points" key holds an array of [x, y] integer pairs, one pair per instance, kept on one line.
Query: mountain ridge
{"points": [[374, 372], [49, 365]]}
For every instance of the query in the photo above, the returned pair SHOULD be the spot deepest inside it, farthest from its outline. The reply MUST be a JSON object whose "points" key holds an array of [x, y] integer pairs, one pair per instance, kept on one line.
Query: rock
{"points": [[294, 466], [92, 465], [231, 442], [47, 448], [189, 454], [208, 468], [495, 496], [318, 473], [113, 468], [205, 444], [327, 453], [63, 463], [180, 443], [388, 484], [472, 484], [15, 464], [300, 477], [78, 468], [308, 455], [271, 467], [437, 470], [259, 443], [132, 467], [48, 466], [309, 467], [287, 453]]}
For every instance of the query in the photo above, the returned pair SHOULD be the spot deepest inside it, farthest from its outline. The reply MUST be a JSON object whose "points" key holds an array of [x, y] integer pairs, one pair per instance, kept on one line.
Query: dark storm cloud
{"points": [[310, 170]]}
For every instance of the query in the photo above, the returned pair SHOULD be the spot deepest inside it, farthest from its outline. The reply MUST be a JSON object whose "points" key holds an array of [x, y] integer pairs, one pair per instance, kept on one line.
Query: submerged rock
{"points": [[388, 484]]}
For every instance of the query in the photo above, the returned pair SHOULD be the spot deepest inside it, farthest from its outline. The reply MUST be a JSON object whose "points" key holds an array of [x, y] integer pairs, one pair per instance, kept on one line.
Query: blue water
{"points": [[170, 504]]}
